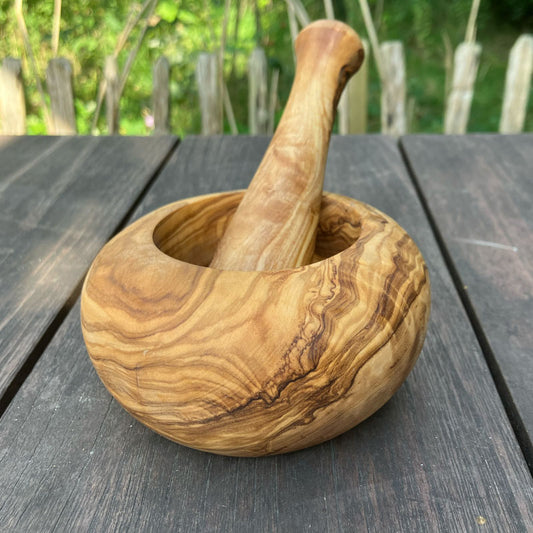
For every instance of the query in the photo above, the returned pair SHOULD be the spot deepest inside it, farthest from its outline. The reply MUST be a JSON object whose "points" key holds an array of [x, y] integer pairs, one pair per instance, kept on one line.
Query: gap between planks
{"points": [[517, 425], [54, 325]]}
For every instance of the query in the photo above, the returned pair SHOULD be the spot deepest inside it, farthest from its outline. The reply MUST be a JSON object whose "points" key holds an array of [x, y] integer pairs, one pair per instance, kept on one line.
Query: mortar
{"points": [[217, 336]]}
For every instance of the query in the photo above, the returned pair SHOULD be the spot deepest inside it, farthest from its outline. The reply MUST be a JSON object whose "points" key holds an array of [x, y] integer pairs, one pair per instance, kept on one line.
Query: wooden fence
{"points": [[262, 101]]}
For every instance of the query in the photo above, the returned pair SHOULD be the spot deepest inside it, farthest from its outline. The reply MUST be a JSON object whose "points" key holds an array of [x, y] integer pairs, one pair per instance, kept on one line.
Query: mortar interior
{"points": [[192, 231]]}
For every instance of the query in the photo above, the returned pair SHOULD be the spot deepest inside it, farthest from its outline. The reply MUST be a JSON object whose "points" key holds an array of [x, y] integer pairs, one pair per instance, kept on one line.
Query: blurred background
{"points": [[139, 33]]}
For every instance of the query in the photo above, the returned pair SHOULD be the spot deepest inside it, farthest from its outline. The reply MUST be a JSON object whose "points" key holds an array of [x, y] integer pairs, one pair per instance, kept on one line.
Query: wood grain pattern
{"points": [[276, 222], [437, 456], [480, 192], [235, 360], [54, 193], [254, 363]]}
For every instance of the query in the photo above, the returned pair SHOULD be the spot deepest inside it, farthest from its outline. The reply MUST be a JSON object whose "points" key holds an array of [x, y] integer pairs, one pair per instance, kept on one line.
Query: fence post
{"points": [[59, 83], [517, 84], [257, 92], [112, 80], [12, 103], [393, 121], [210, 91], [273, 100], [353, 105], [465, 65], [160, 96]]}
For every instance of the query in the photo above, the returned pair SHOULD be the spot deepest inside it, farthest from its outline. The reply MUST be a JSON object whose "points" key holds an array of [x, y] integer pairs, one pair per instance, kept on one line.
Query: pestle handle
{"points": [[275, 225]]}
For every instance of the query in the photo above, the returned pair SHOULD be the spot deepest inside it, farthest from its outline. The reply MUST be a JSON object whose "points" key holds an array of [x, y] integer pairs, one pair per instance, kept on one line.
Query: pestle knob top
{"points": [[329, 51]]}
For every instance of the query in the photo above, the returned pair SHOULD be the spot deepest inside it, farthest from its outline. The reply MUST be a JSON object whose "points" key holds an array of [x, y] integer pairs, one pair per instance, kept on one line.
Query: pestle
{"points": [[275, 224], [258, 350]]}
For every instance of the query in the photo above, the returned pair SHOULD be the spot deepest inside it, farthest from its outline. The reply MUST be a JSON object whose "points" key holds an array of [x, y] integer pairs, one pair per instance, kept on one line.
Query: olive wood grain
{"points": [[254, 363], [267, 321], [275, 224]]}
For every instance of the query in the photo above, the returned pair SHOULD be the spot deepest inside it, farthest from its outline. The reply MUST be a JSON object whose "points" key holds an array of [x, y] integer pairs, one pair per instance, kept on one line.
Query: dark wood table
{"points": [[450, 450]]}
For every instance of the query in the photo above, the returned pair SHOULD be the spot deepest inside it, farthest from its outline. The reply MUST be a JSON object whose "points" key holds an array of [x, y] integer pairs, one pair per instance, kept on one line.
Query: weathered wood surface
{"points": [[12, 102], [60, 200], [480, 192], [59, 84], [440, 456]]}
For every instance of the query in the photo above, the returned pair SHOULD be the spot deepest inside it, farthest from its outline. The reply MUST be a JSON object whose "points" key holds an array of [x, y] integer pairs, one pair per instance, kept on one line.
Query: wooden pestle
{"points": [[275, 225]]}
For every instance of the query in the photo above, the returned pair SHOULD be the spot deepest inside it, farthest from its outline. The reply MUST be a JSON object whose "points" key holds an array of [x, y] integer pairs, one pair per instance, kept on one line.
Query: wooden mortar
{"points": [[262, 356]]}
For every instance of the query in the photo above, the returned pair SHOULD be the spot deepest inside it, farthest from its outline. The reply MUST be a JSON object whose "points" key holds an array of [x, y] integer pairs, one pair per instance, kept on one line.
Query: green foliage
{"points": [[423, 26], [181, 30], [516, 12], [168, 11]]}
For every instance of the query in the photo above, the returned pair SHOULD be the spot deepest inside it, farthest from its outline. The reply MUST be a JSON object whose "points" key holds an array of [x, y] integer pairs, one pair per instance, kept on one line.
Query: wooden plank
{"points": [[465, 65], [517, 84], [17, 156], [12, 102], [480, 192], [440, 456], [161, 96], [59, 83], [59, 201]]}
